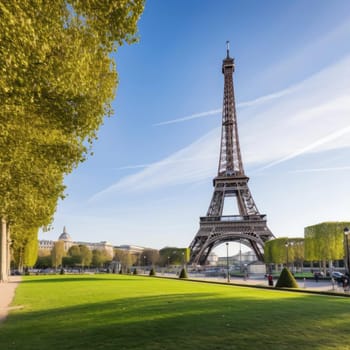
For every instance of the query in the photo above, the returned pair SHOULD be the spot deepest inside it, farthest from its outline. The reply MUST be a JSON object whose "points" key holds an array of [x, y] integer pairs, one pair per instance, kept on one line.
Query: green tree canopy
{"points": [[57, 254], [86, 255], [100, 257], [80, 255], [173, 256], [150, 256], [57, 82], [74, 254], [125, 258], [275, 251], [24, 246], [325, 241], [279, 250]]}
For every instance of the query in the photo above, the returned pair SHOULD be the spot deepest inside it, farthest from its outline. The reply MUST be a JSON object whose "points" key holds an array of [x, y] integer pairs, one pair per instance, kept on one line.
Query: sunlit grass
{"points": [[133, 312]]}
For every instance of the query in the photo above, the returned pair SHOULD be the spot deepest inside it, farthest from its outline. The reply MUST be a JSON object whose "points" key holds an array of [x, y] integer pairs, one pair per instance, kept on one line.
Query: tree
{"points": [[150, 256], [298, 249], [275, 251], [86, 255], [74, 254], [24, 246], [325, 242], [80, 255], [183, 273], [286, 280], [100, 257], [125, 258], [57, 254], [57, 82], [173, 256], [284, 250], [43, 262]]}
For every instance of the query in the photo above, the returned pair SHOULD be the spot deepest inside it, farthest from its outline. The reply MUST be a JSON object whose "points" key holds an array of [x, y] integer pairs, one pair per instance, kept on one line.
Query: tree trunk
{"points": [[8, 243], [324, 265], [4, 259]]}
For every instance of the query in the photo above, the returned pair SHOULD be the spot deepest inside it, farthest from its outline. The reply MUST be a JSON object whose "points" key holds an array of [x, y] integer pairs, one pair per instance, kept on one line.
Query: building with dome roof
{"points": [[64, 236], [45, 246]]}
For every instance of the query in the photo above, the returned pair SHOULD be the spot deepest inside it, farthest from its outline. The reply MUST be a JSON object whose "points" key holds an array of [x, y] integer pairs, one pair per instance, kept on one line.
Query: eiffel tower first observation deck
{"points": [[249, 226]]}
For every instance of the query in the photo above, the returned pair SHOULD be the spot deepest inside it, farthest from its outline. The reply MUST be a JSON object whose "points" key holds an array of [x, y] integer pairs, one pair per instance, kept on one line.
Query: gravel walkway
{"points": [[7, 292]]}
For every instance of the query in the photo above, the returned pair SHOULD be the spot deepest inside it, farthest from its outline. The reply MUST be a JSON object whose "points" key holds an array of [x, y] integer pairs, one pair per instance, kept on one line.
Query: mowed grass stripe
{"points": [[134, 312]]}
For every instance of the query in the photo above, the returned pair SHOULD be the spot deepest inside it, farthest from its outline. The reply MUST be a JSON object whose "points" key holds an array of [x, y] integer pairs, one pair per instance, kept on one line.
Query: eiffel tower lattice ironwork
{"points": [[249, 227]]}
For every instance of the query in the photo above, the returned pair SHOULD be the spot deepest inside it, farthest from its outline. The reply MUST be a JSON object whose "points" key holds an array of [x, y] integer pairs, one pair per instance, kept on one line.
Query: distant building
{"points": [[45, 246], [132, 249], [212, 259], [246, 261], [238, 259]]}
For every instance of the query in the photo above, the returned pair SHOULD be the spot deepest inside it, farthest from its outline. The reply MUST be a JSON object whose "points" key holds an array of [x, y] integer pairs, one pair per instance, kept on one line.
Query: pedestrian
{"points": [[270, 279], [345, 284], [316, 275]]}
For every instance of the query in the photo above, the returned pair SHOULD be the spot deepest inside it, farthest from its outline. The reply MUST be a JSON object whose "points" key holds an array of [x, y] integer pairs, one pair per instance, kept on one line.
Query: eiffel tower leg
{"points": [[257, 251], [198, 248]]}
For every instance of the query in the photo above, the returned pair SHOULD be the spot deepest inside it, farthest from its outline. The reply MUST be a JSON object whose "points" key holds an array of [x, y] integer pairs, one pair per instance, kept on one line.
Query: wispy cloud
{"points": [[317, 170], [184, 166], [190, 117], [312, 116], [314, 145], [137, 166], [216, 111]]}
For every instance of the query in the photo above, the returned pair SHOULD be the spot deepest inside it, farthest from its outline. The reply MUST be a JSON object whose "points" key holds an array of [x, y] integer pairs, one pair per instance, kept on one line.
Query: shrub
{"points": [[286, 280], [152, 272], [120, 271], [135, 272], [183, 273]]}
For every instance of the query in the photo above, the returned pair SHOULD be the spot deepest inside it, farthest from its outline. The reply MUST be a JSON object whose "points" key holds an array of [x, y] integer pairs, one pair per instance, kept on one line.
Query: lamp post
{"points": [[287, 244], [228, 266], [240, 255], [144, 264], [346, 233]]}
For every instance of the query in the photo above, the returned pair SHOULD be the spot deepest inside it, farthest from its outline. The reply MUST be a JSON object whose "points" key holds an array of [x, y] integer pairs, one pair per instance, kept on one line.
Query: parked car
{"points": [[338, 276], [16, 273]]}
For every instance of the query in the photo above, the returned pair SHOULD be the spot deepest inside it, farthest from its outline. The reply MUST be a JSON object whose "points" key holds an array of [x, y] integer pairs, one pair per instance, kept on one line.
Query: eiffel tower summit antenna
{"points": [[247, 226]]}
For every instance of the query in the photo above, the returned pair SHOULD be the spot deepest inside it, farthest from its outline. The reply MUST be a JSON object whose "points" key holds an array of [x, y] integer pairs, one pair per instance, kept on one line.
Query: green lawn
{"points": [[134, 312]]}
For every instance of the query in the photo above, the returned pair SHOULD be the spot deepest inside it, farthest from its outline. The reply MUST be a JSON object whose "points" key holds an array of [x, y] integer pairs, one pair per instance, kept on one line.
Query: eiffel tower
{"points": [[249, 227]]}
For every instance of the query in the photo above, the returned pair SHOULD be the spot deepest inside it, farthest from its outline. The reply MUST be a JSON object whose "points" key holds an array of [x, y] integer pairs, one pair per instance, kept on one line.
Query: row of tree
{"points": [[77, 256], [81, 256], [57, 81], [324, 243], [151, 257]]}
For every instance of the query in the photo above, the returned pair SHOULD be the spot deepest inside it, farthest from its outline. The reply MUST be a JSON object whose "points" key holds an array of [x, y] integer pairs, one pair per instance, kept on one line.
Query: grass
{"points": [[134, 312]]}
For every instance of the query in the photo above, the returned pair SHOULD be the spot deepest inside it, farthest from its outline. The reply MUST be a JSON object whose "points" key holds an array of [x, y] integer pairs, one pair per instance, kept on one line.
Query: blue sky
{"points": [[151, 174]]}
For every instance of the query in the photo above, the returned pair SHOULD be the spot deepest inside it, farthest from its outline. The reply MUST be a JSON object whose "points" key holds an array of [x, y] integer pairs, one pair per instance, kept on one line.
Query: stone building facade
{"points": [[45, 246]]}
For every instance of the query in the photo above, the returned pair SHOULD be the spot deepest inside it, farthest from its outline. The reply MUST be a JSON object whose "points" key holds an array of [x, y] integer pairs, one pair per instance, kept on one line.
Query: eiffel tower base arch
{"points": [[252, 231]]}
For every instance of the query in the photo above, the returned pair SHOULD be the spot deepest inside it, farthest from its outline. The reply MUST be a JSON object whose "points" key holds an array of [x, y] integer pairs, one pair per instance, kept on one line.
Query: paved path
{"points": [[312, 285], [7, 292]]}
